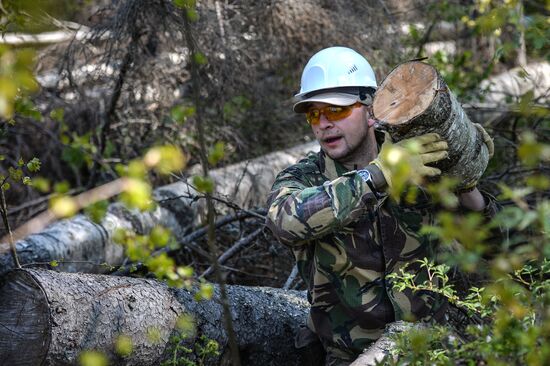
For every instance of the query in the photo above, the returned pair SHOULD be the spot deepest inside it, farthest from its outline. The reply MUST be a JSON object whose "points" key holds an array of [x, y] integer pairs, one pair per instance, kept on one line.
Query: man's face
{"points": [[344, 140]]}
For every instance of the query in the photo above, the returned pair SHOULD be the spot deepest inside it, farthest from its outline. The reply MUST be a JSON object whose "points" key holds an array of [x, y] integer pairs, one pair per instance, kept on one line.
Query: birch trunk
{"points": [[53, 317], [414, 100], [84, 245]]}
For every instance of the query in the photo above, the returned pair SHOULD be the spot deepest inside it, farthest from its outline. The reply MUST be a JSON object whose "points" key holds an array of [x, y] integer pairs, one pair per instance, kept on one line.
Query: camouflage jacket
{"points": [[345, 242]]}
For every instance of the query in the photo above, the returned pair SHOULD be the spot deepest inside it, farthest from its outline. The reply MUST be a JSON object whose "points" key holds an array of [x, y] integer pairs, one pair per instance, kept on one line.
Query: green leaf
{"points": [[153, 335], [192, 15], [96, 211], [92, 358], [180, 3], [179, 114], [120, 235], [124, 345], [532, 152], [27, 181], [159, 236], [203, 184], [25, 107], [206, 291], [162, 266], [165, 159], [539, 182], [74, 156], [54, 263], [61, 187], [15, 174], [57, 114], [216, 153], [186, 325], [63, 206], [199, 58], [185, 272], [109, 149], [137, 194], [33, 165], [136, 169]]}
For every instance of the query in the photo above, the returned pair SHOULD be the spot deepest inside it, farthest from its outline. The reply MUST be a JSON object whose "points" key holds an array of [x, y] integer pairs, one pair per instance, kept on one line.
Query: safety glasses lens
{"points": [[331, 112]]}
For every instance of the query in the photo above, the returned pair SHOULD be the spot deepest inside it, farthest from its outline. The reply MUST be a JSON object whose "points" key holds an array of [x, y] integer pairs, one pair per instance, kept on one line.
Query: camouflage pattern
{"points": [[345, 242]]}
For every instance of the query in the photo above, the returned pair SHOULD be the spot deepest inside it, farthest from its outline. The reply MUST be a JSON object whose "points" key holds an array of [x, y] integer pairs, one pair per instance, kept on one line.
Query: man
{"points": [[332, 210]]}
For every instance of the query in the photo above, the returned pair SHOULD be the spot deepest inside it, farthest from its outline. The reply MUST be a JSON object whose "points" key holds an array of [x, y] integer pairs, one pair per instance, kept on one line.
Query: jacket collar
{"points": [[331, 168]]}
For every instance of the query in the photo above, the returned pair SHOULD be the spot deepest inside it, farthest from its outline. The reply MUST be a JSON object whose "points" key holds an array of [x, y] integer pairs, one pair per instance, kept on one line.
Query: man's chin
{"points": [[334, 154]]}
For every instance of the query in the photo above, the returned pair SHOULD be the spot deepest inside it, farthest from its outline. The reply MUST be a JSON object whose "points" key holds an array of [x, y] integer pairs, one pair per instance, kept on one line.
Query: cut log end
{"points": [[24, 320], [405, 93]]}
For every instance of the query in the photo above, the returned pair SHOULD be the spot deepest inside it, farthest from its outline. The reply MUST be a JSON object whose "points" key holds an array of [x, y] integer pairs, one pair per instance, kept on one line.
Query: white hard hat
{"points": [[334, 69]]}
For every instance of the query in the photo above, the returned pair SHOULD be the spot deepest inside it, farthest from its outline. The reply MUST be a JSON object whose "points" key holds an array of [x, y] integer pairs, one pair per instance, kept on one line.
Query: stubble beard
{"points": [[362, 153], [349, 156]]}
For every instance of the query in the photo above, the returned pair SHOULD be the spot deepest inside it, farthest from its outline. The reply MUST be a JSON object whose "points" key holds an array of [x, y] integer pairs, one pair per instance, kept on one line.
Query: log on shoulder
{"points": [[55, 316], [414, 99]]}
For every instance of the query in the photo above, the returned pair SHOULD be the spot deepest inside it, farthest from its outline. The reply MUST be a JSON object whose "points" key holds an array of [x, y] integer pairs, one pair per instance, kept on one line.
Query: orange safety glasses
{"points": [[332, 113]]}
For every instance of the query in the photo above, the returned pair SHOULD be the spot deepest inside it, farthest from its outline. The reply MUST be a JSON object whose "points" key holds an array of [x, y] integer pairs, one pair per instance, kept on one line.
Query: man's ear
{"points": [[369, 116]]}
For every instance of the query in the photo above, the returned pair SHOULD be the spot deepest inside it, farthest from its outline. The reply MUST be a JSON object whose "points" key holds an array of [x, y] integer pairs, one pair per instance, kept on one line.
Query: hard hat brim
{"points": [[340, 99]]}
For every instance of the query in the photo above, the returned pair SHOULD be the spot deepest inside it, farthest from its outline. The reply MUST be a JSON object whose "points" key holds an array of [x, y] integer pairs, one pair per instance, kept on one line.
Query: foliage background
{"points": [[109, 98]]}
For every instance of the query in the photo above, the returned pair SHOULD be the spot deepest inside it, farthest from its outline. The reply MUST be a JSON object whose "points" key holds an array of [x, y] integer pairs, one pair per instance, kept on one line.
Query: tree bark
{"points": [[83, 244], [55, 316], [383, 346], [414, 100], [80, 245]]}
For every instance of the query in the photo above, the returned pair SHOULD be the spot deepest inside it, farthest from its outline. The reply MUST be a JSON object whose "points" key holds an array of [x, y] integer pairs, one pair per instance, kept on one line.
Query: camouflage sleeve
{"points": [[299, 211]]}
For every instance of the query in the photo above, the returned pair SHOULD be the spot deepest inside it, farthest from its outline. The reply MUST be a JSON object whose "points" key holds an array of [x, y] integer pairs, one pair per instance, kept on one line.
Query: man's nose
{"points": [[324, 123]]}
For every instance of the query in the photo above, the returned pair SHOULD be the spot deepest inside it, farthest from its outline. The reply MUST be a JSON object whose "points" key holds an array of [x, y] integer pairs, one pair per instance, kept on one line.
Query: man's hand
{"points": [[423, 149], [472, 200]]}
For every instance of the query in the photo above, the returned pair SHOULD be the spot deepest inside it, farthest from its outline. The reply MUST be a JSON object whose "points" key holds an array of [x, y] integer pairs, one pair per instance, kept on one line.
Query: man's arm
{"points": [[299, 212]]}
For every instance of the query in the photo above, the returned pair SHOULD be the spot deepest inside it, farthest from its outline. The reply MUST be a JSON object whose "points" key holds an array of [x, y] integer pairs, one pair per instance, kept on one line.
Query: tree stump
{"points": [[413, 100]]}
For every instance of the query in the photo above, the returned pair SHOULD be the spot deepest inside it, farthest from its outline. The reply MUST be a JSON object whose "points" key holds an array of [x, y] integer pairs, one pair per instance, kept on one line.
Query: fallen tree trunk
{"points": [[83, 245], [246, 184], [56, 316], [18, 39], [502, 93], [385, 344], [414, 99]]}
